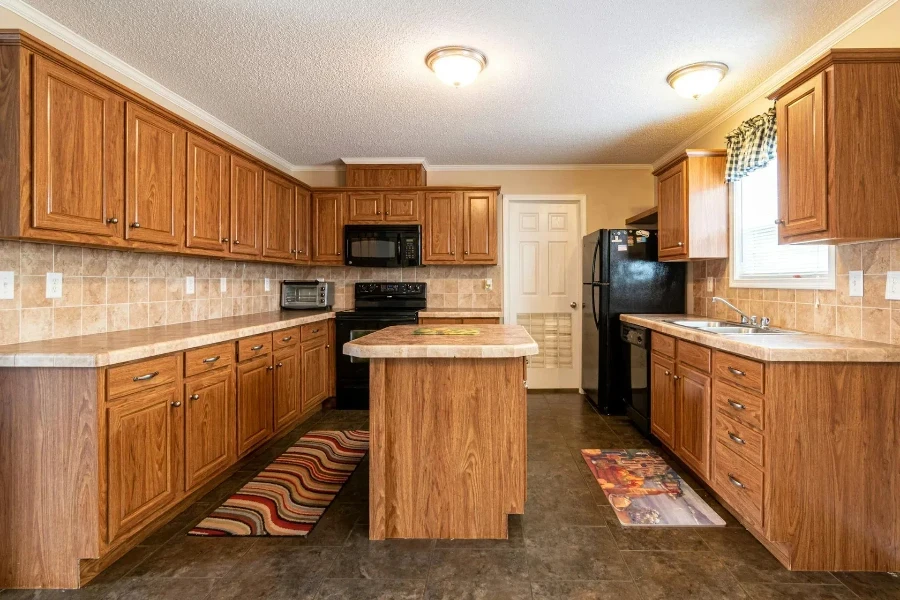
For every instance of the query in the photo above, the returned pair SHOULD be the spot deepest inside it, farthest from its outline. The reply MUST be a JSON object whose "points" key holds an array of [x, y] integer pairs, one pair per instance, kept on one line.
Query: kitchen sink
{"points": [[729, 328]]}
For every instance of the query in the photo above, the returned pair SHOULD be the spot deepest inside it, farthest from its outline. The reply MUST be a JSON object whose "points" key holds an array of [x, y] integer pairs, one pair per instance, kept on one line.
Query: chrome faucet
{"points": [[745, 320]]}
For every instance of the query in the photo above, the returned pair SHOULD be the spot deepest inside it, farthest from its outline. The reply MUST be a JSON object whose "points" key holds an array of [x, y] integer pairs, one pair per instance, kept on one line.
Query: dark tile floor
{"points": [[567, 545]]}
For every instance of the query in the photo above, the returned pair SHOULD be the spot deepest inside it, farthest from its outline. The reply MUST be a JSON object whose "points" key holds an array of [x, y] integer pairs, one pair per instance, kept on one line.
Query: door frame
{"points": [[507, 200]]}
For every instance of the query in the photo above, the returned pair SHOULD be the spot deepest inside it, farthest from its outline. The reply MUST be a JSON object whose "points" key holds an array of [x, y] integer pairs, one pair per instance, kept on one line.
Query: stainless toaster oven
{"points": [[307, 294]]}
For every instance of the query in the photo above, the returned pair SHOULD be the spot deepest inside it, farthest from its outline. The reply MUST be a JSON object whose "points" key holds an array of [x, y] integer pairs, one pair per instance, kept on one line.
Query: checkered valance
{"points": [[751, 146]]}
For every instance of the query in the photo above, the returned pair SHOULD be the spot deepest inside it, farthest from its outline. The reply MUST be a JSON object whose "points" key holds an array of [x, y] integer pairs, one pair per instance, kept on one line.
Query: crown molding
{"points": [[318, 168], [548, 167], [387, 160], [134, 76], [784, 74]]}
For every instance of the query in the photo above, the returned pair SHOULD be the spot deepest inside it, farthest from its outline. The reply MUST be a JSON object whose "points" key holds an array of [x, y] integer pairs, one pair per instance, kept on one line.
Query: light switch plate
{"points": [[189, 284], [7, 285], [710, 284], [856, 283], [892, 290], [54, 285], [266, 285], [488, 284], [223, 284]]}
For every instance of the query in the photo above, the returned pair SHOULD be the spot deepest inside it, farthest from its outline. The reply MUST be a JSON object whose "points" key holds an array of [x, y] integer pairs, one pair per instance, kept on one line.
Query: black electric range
{"points": [[377, 305]]}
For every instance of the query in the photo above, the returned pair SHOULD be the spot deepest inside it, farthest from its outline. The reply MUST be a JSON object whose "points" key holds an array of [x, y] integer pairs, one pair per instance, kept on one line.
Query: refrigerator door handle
{"points": [[594, 308], [594, 261]]}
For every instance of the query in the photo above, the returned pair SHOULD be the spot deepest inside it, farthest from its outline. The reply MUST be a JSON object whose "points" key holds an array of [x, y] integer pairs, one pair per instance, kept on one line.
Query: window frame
{"points": [[802, 283]]}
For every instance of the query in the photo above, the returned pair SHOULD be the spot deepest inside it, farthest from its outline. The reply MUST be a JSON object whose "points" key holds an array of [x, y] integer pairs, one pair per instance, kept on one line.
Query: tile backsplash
{"points": [[831, 312], [108, 290]]}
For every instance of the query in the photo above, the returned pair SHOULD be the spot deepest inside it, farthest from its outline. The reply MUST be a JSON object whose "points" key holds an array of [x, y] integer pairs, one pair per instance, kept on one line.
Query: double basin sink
{"points": [[729, 328]]}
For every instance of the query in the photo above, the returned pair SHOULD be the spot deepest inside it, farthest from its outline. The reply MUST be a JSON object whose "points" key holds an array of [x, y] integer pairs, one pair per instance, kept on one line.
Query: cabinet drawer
{"points": [[286, 337], [740, 484], [126, 379], [741, 439], [740, 371], [313, 331], [206, 359], [663, 344], [254, 346], [740, 405], [694, 355]]}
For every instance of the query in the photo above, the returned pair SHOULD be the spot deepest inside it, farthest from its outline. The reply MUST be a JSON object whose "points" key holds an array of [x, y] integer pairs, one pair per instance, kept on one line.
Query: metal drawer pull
{"points": [[737, 372], [146, 377], [257, 347], [211, 359], [287, 339], [112, 220], [736, 439], [280, 365], [735, 482], [177, 403], [136, 225], [195, 396], [736, 405]]}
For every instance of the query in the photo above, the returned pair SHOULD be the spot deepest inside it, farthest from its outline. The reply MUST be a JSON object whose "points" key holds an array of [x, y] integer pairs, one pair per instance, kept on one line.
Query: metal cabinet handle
{"points": [[377, 212], [211, 359], [225, 240], [736, 405], [681, 243], [195, 396], [466, 252], [176, 404], [237, 242], [737, 372], [136, 225], [339, 252], [287, 338], [280, 365], [270, 368], [256, 347], [452, 253], [668, 373], [779, 221], [387, 212], [735, 482], [676, 377], [146, 377], [736, 439], [327, 345], [315, 330], [112, 220], [300, 251]]}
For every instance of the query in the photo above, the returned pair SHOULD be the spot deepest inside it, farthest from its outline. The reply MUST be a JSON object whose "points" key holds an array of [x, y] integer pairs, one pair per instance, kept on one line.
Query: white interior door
{"points": [[545, 288]]}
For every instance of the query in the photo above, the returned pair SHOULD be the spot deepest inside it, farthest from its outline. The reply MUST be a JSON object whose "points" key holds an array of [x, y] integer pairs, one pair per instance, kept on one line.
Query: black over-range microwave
{"points": [[383, 245]]}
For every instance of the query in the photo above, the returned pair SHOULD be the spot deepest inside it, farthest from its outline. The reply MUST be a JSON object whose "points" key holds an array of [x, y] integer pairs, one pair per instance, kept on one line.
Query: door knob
{"points": [[574, 305]]}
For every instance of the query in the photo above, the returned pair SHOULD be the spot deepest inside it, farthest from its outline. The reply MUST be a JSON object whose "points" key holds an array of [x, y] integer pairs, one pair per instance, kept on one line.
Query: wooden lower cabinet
{"points": [[209, 428], [287, 386], [315, 369], [254, 403], [145, 440], [693, 402], [662, 399]]}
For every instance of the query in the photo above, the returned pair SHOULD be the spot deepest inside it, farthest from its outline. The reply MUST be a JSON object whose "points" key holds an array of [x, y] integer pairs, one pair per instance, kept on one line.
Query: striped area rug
{"points": [[290, 495]]}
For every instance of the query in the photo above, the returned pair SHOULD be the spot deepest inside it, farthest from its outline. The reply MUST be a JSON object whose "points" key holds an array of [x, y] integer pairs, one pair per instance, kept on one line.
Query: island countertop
{"points": [[400, 341]]}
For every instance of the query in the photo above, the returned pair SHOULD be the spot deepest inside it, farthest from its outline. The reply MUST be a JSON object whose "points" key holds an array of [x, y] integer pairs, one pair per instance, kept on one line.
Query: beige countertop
{"points": [[793, 347], [102, 349], [462, 313], [491, 341]]}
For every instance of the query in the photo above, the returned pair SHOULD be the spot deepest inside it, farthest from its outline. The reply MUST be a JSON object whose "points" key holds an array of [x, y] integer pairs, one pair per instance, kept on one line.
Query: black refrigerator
{"points": [[621, 275]]}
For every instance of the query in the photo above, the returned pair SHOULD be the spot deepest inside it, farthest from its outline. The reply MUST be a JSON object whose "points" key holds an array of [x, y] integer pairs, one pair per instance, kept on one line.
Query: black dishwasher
{"points": [[636, 363]]}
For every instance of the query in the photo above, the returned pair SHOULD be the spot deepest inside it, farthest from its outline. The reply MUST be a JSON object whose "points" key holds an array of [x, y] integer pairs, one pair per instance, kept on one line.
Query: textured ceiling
{"points": [[579, 81]]}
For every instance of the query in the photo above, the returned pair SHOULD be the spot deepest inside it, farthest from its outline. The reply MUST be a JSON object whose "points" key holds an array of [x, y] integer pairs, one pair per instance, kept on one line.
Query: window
{"points": [[757, 259]]}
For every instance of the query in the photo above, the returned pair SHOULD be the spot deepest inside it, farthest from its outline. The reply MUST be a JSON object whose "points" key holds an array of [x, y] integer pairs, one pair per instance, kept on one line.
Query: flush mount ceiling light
{"points": [[456, 65], [698, 79]]}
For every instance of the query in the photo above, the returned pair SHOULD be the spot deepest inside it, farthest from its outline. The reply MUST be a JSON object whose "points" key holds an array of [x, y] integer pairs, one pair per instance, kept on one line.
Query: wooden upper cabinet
{"points": [[693, 206], [402, 207], [278, 217], [209, 427], [837, 162], [154, 177], [385, 175], [365, 207], [441, 225], [479, 222], [78, 154], [301, 224], [207, 195], [246, 207], [327, 227], [693, 406]]}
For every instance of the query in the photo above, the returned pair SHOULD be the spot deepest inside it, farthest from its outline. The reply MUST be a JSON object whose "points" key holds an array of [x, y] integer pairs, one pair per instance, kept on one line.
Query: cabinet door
{"points": [[209, 427], [693, 405], [314, 372], [144, 438], [301, 224], [246, 207], [154, 177], [207, 195], [254, 403], [365, 207], [441, 224], [479, 220], [287, 386], [662, 399], [327, 227], [802, 179], [671, 189], [278, 211], [78, 167], [402, 208]]}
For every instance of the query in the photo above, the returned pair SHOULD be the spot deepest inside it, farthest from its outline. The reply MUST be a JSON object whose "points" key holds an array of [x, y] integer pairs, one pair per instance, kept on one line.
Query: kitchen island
{"points": [[447, 429]]}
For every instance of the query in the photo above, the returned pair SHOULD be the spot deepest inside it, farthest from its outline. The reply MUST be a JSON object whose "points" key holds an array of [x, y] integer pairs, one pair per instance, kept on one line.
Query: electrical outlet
{"points": [[710, 284], [223, 284], [892, 290], [856, 283], [54, 285], [189, 284], [7, 285], [488, 284], [266, 285]]}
